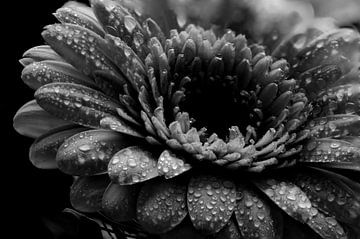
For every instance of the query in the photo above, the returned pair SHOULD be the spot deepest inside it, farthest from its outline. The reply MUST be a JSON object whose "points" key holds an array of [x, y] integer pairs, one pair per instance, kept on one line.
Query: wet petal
{"points": [[161, 205], [119, 202], [81, 15], [334, 47], [335, 126], [331, 153], [115, 124], [119, 22], [292, 200], [341, 99], [40, 53], [127, 60], [43, 151], [78, 46], [132, 165], [331, 195], [88, 153], [319, 78], [76, 103], [184, 230], [254, 216], [170, 165], [41, 73], [211, 201], [230, 231], [86, 193], [32, 121]]}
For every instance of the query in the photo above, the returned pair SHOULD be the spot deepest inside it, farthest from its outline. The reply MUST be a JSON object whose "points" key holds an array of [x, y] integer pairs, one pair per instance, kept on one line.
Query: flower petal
{"points": [[127, 60], [211, 201], [184, 230], [334, 47], [88, 153], [335, 126], [86, 193], [331, 153], [132, 165], [117, 125], [230, 231], [76, 103], [81, 15], [161, 205], [119, 202], [319, 78], [255, 217], [78, 46], [40, 53], [41, 73], [32, 121], [119, 22], [331, 195], [342, 99], [170, 165], [43, 151], [292, 200]]}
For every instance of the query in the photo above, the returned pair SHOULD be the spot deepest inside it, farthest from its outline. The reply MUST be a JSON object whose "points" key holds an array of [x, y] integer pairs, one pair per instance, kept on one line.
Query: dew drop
{"points": [[84, 148], [334, 145], [291, 197], [331, 197], [300, 42], [130, 23]]}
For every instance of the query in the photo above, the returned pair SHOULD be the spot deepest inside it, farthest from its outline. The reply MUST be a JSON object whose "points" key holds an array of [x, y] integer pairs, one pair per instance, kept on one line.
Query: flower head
{"points": [[196, 132]]}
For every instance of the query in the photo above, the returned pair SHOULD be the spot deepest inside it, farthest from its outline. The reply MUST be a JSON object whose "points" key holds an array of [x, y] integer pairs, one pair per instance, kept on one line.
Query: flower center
{"points": [[218, 107]]}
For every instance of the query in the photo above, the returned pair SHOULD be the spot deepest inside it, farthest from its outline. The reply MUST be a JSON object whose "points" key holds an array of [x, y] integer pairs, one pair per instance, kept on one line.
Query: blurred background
{"points": [[32, 194]]}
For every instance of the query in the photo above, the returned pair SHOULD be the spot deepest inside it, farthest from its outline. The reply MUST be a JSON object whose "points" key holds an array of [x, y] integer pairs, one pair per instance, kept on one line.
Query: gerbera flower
{"points": [[191, 133]]}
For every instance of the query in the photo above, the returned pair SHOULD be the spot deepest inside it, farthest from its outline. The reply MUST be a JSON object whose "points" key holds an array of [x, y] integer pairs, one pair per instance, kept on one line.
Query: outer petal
{"points": [[76, 103], [255, 217], [331, 195], [119, 202], [43, 151], [132, 165], [40, 53], [81, 15], [230, 231], [295, 203], [335, 126], [41, 73], [184, 230], [78, 46], [171, 166], [161, 205], [89, 153], [32, 121], [331, 153], [211, 201], [86, 193]]}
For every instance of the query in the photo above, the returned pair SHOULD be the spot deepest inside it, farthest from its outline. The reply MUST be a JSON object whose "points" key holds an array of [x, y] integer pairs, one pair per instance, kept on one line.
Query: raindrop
{"points": [[300, 42], [130, 23], [291, 197], [78, 105], [261, 215], [132, 162], [248, 203], [84, 148]]}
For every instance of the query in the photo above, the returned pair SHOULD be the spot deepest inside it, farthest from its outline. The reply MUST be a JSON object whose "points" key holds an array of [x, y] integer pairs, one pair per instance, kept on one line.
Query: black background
{"points": [[30, 194]]}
